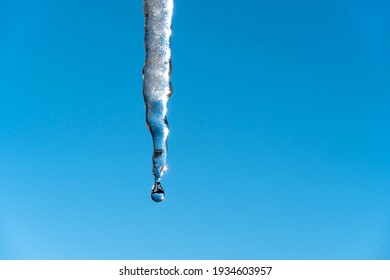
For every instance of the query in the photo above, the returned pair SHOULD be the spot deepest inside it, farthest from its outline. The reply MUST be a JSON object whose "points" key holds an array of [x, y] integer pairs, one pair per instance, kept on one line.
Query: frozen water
{"points": [[157, 87]]}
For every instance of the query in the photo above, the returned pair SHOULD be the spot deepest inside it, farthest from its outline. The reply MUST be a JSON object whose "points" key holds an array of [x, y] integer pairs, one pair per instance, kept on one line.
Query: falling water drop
{"points": [[158, 193], [157, 88]]}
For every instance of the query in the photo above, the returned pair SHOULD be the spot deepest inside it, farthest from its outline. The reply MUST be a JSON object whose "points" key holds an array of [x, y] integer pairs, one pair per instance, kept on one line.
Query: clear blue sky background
{"points": [[279, 144]]}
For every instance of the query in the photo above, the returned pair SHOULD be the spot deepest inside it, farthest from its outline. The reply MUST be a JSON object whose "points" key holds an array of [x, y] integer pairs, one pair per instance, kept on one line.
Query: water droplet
{"points": [[158, 193]]}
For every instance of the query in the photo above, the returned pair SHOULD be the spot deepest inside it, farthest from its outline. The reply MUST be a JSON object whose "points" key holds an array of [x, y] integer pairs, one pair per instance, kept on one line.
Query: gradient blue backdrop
{"points": [[279, 144]]}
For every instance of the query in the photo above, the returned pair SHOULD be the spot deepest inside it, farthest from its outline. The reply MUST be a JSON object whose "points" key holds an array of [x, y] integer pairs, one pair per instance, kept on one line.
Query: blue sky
{"points": [[279, 143]]}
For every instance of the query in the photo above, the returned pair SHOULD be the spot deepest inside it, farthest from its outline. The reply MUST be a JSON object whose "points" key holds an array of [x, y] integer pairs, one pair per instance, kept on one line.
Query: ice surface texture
{"points": [[156, 74]]}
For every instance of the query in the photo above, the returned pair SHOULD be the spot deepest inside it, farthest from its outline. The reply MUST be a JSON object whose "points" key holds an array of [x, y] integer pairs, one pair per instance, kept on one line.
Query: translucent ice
{"points": [[157, 87]]}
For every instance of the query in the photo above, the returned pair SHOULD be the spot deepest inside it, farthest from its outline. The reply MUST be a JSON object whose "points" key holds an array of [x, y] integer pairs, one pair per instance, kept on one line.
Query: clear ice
{"points": [[157, 87]]}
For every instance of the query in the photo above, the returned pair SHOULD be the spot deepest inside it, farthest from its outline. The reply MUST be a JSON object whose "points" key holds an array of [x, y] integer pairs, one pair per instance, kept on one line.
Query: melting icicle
{"points": [[157, 86]]}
